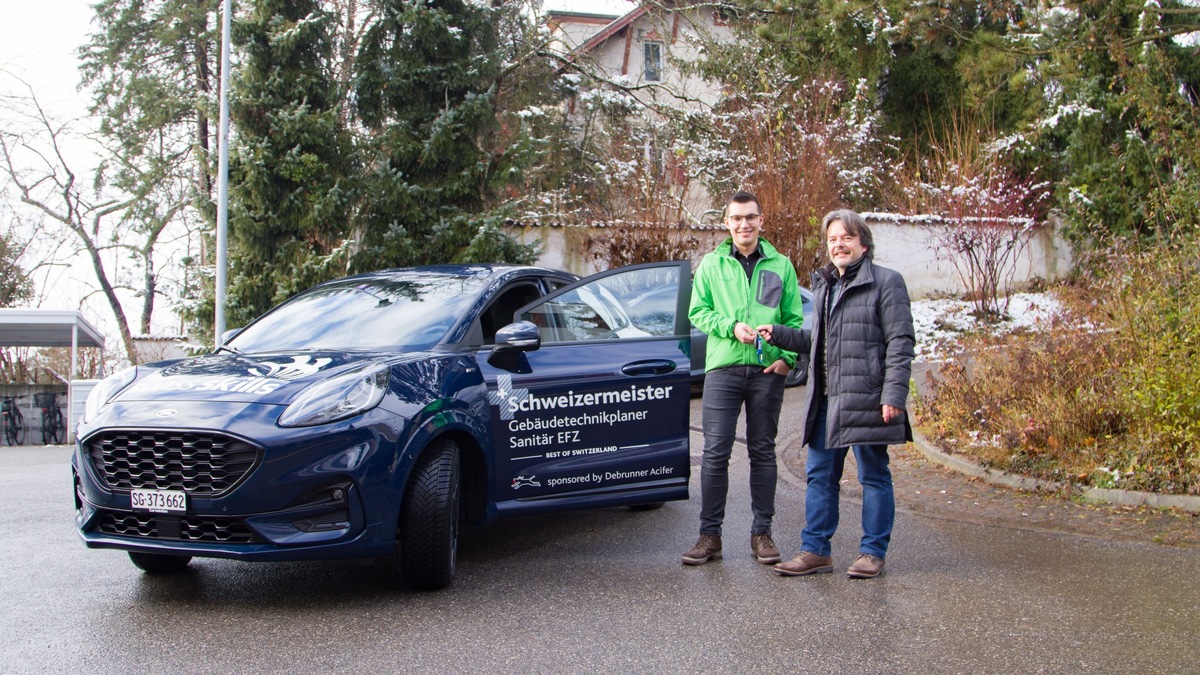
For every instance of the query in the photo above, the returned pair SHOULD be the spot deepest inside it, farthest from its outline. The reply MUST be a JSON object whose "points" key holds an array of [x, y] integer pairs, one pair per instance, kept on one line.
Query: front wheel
{"points": [[51, 424], [156, 563], [428, 528], [15, 431]]}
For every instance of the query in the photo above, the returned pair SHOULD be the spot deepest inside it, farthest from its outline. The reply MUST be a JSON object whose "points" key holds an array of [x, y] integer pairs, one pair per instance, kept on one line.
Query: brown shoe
{"points": [[707, 547], [866, 566], [805, 563], [764, 549]]}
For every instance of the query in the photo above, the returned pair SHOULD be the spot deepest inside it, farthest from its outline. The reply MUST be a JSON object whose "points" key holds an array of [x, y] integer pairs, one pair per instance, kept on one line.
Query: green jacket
{"points": [[722, 298]]}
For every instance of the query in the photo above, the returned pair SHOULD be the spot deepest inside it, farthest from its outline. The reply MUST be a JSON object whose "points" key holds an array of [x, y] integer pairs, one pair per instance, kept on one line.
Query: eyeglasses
{"points": [[751, 218]]}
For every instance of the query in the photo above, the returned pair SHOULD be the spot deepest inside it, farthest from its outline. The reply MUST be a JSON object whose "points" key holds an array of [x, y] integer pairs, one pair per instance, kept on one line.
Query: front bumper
{"points": [[308, 494]]}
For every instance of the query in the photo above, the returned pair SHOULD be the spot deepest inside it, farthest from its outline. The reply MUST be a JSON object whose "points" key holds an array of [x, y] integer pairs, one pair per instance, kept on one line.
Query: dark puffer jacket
{"points": [[869, 343]]}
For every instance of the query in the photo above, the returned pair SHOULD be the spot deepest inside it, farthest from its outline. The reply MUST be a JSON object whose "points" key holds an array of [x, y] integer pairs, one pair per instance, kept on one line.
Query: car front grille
{"points": [[203, 464], [179, 528]]}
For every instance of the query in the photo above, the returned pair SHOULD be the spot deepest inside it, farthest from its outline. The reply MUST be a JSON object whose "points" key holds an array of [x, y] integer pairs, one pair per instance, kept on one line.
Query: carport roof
{"points": [[46, 328]]}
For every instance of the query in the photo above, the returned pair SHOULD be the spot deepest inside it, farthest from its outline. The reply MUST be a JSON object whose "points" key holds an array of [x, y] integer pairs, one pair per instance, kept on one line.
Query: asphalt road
{"points": [[599, 591]]}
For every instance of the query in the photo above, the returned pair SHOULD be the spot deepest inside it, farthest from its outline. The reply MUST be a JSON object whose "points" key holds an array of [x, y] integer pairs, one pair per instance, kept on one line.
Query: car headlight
{"points": [[344, 396], [102, 393]]}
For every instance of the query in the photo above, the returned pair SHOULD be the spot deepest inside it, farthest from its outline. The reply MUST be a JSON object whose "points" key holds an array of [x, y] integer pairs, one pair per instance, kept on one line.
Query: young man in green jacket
{"points": [[744, 283]]}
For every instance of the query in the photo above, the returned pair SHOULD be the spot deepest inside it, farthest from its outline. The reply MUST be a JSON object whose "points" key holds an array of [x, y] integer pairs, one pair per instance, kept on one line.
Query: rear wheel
{"points": [[51, 422], [428, 525], [157, 563], [15, 431]]}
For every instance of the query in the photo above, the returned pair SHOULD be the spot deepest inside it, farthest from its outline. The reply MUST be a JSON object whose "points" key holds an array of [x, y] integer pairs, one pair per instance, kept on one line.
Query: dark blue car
{"points": [[371, 415]]}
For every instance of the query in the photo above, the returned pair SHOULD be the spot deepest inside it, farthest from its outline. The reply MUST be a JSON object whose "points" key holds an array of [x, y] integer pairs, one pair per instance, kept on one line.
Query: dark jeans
{"points": [[726, 392], [824, 468]]}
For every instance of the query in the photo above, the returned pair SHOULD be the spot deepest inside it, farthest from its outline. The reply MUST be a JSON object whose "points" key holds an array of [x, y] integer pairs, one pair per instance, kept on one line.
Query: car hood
{"points": [[246, 378]]}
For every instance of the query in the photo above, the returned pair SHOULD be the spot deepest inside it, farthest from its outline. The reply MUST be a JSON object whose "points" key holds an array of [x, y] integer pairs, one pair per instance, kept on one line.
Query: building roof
{"points": [[583, 17], [612, 29], [46, 328]]}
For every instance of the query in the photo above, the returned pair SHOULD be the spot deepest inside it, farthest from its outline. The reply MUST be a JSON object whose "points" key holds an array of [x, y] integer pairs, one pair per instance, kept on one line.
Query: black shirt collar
{"points": [[749, 262]]}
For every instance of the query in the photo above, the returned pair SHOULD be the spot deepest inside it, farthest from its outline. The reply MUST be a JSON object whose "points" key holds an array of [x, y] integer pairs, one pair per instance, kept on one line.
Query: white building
{"points": [[643, 49], [640, 55]]}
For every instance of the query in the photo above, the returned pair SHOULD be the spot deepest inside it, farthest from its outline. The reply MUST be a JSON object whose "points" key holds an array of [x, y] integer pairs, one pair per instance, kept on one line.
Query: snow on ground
{"points": [[938, 321]]}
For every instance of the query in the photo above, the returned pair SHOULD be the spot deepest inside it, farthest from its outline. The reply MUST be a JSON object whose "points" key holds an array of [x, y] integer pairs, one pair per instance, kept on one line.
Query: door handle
{"points": [[648, 368]]}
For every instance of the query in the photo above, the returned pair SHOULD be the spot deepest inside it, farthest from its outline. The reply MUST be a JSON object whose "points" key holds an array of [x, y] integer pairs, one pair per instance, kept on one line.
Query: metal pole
{"points": [[223, 176], [70, 430]]}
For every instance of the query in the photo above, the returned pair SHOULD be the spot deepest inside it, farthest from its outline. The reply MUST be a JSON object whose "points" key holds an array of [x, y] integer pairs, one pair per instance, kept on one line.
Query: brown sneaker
{"points": [[805, 563], [866, 566], [707, 547], [764, 549]]}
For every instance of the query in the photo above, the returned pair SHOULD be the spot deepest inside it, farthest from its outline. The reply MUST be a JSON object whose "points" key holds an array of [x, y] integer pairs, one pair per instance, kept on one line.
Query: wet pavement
{"points": [[603, 591]]}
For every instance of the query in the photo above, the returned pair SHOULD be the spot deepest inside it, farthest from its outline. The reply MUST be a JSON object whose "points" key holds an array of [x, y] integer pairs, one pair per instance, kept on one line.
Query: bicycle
{"points": [[14, 421], [52, 418]]}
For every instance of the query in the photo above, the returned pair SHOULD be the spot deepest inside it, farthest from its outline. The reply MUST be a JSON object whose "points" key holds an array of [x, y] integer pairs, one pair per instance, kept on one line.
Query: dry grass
{"points": [[1107, 395]]}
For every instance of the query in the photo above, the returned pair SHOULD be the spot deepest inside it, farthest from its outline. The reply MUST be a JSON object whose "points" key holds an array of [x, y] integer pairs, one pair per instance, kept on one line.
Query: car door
{"points": [[596, 412]]}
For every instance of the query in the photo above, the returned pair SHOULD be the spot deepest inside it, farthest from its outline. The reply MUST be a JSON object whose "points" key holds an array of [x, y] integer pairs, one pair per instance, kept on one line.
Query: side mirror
{"points": [[521, 336], [228, 335]]}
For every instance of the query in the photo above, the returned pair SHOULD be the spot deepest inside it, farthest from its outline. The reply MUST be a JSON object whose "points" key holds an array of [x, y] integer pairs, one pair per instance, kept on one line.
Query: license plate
{"points": [[159, 501]]}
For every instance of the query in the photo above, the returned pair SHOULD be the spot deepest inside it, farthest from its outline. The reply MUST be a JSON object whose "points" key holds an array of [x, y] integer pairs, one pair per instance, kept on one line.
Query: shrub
{"points": [[803, 146], [985, 213], [1105, 395]]}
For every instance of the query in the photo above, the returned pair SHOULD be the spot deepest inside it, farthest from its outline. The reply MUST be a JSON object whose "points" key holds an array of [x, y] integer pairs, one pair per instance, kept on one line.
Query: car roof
{"points": [[482, 270]]}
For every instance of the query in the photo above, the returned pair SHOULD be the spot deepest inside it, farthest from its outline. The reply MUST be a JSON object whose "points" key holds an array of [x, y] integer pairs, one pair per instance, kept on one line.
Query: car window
{"points": [[400, 312], [635, 303], [500, 313]]}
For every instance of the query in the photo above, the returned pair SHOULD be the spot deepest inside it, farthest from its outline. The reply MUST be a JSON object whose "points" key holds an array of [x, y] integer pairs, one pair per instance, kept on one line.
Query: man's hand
{"points": [[765, 331], [891, 413], [744, 333], [780, 367]]}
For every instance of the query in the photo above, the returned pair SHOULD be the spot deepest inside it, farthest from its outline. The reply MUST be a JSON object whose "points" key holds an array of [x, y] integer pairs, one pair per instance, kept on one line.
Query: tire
{"points": [[428, 528], [56, 431], [10, 431], [50, 424], [157, 563], [16, 434]]}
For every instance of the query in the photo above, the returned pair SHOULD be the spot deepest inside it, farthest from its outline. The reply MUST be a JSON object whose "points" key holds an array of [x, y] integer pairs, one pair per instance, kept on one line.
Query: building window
{"points": [[653, 70]]}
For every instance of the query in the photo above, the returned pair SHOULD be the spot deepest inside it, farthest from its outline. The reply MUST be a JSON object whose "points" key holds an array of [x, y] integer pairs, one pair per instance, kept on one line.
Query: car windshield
{"points": [[403, 312]]}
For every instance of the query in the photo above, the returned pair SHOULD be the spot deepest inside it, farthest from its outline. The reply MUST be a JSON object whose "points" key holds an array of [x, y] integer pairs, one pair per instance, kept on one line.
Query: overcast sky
{"points": [[38, 42]]}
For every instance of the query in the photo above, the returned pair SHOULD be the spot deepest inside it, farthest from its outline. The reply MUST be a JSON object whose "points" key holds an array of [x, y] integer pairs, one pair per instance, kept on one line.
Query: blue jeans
{"points": [[824, 469], [726, 392]]}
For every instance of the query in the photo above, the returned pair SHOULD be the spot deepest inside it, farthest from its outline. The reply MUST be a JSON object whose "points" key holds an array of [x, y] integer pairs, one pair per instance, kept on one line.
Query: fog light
{"points": [[338, 520], [333, 496]]}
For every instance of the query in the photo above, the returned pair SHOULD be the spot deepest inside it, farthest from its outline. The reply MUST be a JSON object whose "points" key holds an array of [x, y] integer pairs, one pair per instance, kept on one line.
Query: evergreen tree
{"points": [[428, 77], [150, 70], [1122, 115], [16, 288], [291, 166]]}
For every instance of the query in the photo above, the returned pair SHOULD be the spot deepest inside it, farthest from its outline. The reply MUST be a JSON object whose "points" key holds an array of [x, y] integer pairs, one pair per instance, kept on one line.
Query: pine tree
{"points": [[427, 79], [16, 288], [291, 167]]}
